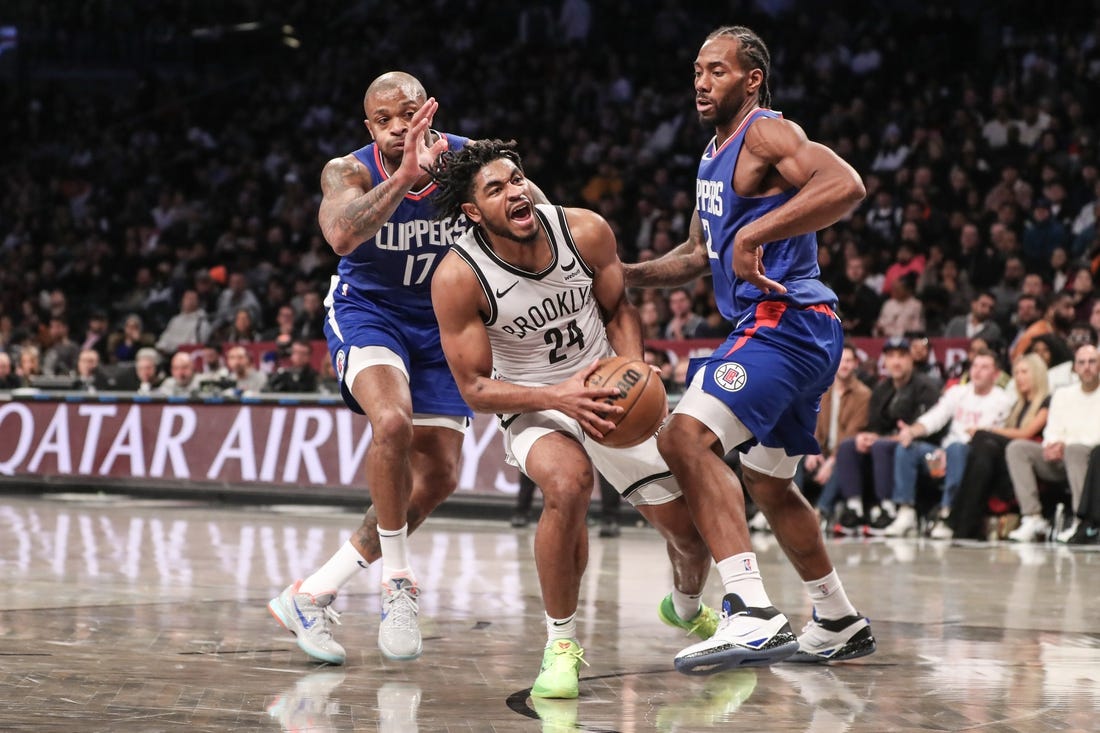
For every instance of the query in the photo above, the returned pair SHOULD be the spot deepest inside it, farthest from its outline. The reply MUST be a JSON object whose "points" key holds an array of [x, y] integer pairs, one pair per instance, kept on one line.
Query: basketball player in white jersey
{"points": [[527, 301]]}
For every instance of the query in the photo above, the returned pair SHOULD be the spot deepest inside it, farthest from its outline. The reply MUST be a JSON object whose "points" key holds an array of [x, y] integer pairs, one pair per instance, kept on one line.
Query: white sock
{"points": [[561, 628], [889, 506], [394, 546], [741, 575], [856, 505], [686, 605], [339, 569], [829, 597]]}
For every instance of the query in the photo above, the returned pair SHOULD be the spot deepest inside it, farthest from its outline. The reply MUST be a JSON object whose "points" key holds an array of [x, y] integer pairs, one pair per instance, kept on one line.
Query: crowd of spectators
{"points": [[160, 180]]}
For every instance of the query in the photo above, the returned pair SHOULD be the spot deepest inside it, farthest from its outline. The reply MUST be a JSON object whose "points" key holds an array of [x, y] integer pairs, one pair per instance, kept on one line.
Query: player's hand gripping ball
{"points": [[641, 395]]}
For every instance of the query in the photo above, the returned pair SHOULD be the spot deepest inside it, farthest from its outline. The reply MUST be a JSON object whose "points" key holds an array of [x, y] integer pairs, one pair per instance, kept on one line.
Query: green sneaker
{"points": [[702, 625], [561, 667]]}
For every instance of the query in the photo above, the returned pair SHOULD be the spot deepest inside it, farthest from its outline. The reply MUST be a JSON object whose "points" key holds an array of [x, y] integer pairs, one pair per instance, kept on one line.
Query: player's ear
{"points": [[472, 212], [756, 78], [366, 124]]}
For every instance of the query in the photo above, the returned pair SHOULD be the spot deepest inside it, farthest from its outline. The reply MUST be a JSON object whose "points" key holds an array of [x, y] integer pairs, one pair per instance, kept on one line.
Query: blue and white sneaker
{"points": [[834, 640], [746, 637], [399, 632], [307, 617]]}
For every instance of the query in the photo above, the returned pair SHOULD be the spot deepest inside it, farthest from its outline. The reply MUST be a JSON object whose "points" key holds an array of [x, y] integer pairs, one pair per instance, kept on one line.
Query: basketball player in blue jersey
{"points": [[377, 213], [763, 190]]}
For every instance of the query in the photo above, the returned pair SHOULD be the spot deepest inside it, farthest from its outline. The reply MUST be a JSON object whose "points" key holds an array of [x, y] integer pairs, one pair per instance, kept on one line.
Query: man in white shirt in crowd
{"points": [[977, 404], [1072, 430], [190, 326]]}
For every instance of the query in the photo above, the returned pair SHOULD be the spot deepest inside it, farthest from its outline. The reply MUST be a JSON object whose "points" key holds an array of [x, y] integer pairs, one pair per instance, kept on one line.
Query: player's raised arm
{"points": [[353, 208]]}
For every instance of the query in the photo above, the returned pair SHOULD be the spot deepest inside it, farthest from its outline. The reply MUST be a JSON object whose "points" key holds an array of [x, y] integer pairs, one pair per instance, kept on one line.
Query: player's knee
{"points": [[567, 492], [392, 427], [672, 446]]}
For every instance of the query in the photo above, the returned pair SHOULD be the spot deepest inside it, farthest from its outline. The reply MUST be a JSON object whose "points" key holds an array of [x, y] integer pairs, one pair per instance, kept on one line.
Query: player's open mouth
{"points": [[521, 214], [702, 103]]}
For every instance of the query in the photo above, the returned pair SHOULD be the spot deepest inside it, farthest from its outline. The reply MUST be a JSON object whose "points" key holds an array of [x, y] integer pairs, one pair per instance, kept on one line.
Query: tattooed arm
{"points": [[680, 265], [353, 209]]}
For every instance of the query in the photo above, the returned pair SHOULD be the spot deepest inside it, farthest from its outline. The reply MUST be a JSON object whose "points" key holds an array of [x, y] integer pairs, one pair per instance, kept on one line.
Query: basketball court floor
{"points": [[124, 614]]}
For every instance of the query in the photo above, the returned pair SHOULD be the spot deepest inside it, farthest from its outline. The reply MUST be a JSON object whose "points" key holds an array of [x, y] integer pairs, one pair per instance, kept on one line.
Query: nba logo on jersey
{"points": [[730, 376], [340, 361]]}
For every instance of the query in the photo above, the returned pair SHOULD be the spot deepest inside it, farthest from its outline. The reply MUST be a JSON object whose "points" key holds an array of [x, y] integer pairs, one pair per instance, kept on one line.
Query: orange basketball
{"points": [[641, 395]]}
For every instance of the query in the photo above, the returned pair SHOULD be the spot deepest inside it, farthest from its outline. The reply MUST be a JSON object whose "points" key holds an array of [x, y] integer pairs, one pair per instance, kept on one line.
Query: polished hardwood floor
{"points": [[122, 614]]}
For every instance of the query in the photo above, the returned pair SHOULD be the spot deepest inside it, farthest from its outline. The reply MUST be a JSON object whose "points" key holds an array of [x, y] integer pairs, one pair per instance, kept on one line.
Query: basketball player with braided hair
{"points": [[762, 191], [527, 301]]}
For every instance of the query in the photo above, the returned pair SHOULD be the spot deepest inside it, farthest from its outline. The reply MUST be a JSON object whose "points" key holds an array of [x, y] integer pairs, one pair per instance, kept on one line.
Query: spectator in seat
{"points": [[61, 357], [978, 323], [147, 371], [96, 336], [901, 312], [8, 378], [1058, 317], [1072, 431], [986, 472], [132, 338], [310, 325], [29, 364], [231, 300], [683, 323], [901, 397], [843, 414], [859, 304], [243, 330], [182, 382], [299, 375], [1055, 352], [190, 326], [964, 408], [248, 379]]}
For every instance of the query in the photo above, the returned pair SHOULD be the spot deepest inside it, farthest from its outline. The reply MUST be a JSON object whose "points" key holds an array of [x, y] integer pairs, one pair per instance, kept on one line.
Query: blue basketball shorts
{"points": [[772, 371], [355, 326]]}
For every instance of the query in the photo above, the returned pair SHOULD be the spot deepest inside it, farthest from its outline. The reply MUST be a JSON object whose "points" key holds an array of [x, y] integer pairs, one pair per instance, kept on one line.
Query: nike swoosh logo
{"points": [[502, 293], [306, 623], [570, 266]]}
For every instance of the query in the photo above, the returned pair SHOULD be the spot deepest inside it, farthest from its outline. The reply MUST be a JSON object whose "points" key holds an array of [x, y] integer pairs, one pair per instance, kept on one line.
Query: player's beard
{"points": [[505, 233]]}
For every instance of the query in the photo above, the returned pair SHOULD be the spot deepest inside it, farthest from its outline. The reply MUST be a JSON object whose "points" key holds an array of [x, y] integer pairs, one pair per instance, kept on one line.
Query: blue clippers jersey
{"points": [[792, 262], [395, 267]]}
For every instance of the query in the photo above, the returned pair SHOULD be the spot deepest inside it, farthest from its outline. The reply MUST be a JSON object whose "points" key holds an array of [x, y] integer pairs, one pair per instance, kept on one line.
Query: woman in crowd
{"points": [[986, 474]]}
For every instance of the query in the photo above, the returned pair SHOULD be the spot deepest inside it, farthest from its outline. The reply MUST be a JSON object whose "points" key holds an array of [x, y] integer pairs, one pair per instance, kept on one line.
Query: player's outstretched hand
{"points": [[587, 404], [417, 154]]}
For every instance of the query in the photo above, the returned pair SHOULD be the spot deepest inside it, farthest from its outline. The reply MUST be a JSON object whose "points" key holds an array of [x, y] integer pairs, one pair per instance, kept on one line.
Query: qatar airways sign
{"points": [[225, 444]]}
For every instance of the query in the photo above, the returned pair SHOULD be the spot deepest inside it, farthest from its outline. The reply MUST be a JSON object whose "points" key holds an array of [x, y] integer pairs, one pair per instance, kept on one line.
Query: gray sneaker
{"points": [[307, 617], [399, 634]]}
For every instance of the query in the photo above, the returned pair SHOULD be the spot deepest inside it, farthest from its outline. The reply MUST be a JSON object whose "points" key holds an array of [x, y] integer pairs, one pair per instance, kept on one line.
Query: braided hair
{"points": [[454, 173], [752, 54]]}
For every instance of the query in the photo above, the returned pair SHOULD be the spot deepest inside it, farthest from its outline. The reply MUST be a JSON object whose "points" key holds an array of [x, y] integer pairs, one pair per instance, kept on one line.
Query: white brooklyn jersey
{"points": [[543, 326]]}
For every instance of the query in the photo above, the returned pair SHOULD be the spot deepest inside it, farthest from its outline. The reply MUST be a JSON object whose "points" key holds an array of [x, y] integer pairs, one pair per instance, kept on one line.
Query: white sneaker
{"points": [[940, 531], [307, 617], [1069, 531], [904, 523], [399, 632], [746, 637], [834, 640], [1033, 527]]}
